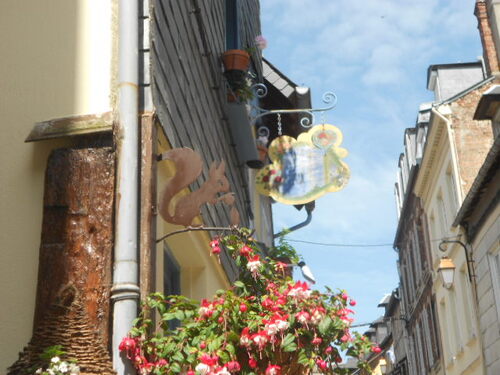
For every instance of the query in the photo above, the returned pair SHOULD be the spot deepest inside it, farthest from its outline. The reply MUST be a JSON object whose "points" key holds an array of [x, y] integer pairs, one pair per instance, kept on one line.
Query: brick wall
{"points": [[473, 139]]}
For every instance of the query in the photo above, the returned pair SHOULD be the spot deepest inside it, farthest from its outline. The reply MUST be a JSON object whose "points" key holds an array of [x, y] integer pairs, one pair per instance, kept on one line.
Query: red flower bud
{"points": [[252, 363], [243, 307]]}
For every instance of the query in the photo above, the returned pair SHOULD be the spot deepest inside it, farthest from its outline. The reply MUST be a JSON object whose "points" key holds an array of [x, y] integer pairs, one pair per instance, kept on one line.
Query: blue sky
{"points": [[374, 55]]}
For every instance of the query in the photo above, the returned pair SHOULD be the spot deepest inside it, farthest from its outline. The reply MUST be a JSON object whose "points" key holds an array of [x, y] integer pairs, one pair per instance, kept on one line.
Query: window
{"points": [[443, 217], [452, 191], [466, 297], [232, 25], [171, 279], [494, 259], [456, 329]]}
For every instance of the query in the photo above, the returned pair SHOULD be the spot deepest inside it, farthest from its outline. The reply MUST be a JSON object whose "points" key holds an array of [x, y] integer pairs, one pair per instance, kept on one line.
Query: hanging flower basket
{"points": [[236, 59], [266, 324]]}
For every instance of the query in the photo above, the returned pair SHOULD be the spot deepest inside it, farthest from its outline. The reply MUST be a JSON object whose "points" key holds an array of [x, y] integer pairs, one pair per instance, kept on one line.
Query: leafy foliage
{"points": [[265, 324]]}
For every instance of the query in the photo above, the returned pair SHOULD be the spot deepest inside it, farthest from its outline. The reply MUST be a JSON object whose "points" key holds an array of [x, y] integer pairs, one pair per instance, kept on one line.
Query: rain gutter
{"points": [[125, 290]]}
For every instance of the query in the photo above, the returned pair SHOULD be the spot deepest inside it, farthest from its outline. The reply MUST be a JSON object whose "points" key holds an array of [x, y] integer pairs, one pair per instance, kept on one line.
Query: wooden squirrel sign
{"points": [[189, 166]]}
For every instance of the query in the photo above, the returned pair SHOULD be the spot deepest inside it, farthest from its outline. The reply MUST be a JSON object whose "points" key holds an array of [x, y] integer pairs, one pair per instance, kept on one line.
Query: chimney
{"points": [[489, 50]]}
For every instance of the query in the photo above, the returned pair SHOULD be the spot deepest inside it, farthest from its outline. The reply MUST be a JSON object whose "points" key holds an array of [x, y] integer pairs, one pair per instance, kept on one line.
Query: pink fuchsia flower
{"points": [[245, 338], [254, 265], [245, 251], [352, 302], [128, 345], [252, 363], [222, 371], [322, 364], [317, 315], [209, 360], [273, 370], [243, 307], [328, 350], [206, 309], [233, 366], [202, 368], [316, 341], [344, 296], [190, 372], [260, 42], [162, 362], [215, 245], [260, 339], [280, 267], [376, 349], [303, 317], [300, 290]]}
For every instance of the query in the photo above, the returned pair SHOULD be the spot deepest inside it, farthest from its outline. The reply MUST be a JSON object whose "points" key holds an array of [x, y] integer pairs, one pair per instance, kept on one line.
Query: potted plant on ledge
{"points": [[236, 64]]}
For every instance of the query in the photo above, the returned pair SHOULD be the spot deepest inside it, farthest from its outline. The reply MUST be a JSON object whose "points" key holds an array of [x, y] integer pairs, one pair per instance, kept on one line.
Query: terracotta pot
{"points": [[231, 98], [236, 59]]}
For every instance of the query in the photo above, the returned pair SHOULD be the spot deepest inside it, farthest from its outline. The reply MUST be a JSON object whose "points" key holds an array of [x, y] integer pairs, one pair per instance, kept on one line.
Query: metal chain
{"points": [[280, 132]]}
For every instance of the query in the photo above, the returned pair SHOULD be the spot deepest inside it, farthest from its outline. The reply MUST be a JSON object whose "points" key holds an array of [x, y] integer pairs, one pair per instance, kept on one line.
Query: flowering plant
{"points": [[56, 366], [266, 324]]}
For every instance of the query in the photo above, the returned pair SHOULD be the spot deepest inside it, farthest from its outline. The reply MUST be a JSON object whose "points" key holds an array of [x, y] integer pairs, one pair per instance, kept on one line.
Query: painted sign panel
{"points": [[306, 168]]}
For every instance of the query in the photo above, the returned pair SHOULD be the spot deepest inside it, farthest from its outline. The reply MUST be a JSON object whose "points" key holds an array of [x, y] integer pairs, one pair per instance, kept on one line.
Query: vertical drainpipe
{"points": [[125, 290]]}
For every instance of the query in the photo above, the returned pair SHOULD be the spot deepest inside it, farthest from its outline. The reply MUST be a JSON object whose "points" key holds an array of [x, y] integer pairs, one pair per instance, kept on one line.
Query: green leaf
{"points": [[239, 284], [230, 349], [324, 325], [179, 314], [223, 356], [178, 357], [287, 340], [175, 367], [168, 316], [303, 360], [290, 347]]}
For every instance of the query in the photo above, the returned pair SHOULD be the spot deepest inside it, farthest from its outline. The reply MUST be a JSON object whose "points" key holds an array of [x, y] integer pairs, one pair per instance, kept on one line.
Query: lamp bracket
{"points": [[260, 91]]}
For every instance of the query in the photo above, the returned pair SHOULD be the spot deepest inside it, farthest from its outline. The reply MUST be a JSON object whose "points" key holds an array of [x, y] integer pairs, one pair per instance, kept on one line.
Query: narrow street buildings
{"points": [[447, 195]]}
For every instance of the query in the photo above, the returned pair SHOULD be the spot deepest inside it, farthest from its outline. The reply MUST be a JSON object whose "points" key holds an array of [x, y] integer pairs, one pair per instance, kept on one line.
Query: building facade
{"points": [[144, 76], [420, 346], [449, 156]]}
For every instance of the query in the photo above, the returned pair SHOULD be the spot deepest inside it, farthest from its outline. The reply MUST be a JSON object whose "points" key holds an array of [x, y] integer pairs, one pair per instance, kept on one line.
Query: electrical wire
{"points": [[359, 245]]}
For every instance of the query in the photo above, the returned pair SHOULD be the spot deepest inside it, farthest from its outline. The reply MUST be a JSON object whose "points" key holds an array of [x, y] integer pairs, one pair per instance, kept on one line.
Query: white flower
{"points": [[51, 372], [202, 368], [55, 359], [74, 369], [223, 371], [271, 329], [254, 266], [63, 367], [282, 324], [39, 371]]}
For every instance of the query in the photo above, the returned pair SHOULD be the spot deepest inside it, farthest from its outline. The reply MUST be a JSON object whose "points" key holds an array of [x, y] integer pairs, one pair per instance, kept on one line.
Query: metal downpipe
{"points": [[125, 290]]}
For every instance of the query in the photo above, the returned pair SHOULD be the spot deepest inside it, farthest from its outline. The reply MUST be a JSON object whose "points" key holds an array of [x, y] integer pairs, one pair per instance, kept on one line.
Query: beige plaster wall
{"points": [[455, 306], [56, 62]]}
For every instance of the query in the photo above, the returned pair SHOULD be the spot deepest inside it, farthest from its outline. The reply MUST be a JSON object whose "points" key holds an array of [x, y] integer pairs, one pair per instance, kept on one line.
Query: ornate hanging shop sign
{"points": [[306, 168], [181, 209]]}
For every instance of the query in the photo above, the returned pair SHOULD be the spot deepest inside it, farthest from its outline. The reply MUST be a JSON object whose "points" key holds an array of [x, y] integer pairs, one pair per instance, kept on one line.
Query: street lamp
{"points": [[470, 268], [447, 270]]}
